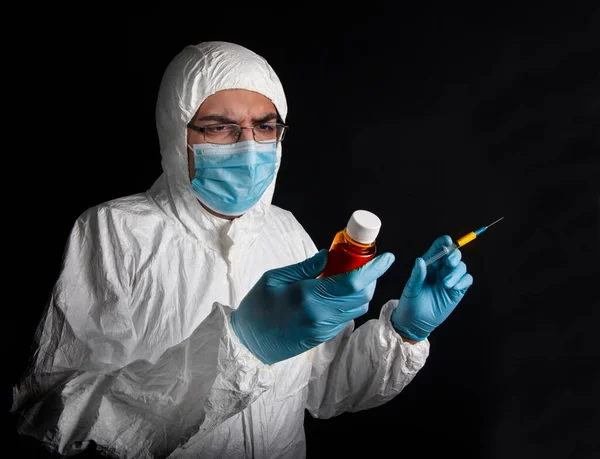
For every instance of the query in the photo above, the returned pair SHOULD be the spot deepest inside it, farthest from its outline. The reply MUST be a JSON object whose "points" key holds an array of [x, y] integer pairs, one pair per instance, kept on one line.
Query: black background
{"points": [[437, 118]]}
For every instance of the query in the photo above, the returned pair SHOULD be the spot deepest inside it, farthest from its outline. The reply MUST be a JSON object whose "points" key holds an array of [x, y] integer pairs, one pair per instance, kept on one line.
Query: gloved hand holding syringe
{"points": [[459, 243], [434, 289]]}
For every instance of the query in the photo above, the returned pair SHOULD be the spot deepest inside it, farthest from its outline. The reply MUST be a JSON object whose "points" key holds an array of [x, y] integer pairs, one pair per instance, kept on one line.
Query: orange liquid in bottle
{"points": [[345, 254]]}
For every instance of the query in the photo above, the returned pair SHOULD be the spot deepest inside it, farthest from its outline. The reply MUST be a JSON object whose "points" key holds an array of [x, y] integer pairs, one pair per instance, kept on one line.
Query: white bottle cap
{"points": [[363, 226]]}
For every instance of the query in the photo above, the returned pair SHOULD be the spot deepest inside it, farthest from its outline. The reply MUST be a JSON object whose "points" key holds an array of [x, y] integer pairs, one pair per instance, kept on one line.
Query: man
{"points": [[188, 321]]}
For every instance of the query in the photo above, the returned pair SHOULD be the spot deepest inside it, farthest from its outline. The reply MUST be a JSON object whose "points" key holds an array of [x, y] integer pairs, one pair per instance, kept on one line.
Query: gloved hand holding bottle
{"points": [[289, 310], [431, 293]]}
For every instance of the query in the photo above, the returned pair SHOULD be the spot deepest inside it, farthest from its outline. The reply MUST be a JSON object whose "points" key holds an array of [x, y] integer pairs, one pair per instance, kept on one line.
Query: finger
{"points": [[350, 314], [455, 275], [438, 244], [464, 283], [342, 293], [449, 263], [347, 307], [306, 269], [358, 279], [453, 259], [414, 285]]}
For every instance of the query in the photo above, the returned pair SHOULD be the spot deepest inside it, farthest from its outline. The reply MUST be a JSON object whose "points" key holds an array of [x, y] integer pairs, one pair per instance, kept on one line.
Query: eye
{"points": [[219, 129], [265, 127]]}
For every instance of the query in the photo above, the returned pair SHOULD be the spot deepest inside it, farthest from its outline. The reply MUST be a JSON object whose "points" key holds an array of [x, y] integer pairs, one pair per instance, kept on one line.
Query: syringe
{"points": [[459, 243]]}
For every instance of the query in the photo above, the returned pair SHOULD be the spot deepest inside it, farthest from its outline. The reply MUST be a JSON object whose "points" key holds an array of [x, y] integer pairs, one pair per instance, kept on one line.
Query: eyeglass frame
{"points": [[202, 129]]}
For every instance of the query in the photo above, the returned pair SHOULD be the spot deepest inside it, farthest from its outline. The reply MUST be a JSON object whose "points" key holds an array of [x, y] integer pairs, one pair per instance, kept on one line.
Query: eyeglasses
{"points": [[231, 133]]}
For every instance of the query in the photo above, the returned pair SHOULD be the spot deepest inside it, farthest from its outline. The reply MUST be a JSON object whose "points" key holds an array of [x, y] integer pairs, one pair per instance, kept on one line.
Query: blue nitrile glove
{"points": [[431, 293], [289, 311]]}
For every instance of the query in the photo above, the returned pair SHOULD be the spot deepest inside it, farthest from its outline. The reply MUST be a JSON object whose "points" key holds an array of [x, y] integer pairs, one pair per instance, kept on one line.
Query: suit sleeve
{"points": [[85, 382], [363, 368]]}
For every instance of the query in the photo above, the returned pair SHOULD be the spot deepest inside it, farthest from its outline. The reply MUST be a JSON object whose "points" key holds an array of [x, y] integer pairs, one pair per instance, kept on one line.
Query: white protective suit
{"points": [[135, 350]]}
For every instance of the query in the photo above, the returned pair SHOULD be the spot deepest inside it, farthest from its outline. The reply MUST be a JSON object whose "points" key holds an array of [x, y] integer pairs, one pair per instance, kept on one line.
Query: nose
{"points": [[246, 134]]}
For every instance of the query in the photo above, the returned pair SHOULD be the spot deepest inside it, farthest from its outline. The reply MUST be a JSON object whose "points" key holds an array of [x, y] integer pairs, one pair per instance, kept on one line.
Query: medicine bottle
{"points": [[354, 245]]}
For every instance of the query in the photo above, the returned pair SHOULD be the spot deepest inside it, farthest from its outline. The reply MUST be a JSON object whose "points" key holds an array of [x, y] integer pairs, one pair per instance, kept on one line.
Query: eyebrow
{"points": [[227, 120]]}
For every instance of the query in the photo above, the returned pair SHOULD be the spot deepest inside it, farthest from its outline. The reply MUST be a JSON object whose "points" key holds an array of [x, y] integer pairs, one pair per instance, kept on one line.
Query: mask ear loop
{"points": [[191, 149], [186, 137]]}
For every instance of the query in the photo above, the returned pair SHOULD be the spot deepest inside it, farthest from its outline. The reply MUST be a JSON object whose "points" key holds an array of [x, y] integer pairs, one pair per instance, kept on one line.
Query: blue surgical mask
{"points": [[231, 179]]}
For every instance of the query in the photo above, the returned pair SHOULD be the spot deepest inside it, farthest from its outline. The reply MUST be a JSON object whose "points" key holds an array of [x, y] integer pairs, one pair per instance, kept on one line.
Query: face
{"points": [[231, 106]]}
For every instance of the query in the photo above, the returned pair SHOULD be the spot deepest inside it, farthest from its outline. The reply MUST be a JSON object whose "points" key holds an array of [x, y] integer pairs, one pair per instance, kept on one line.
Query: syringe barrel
{"points": [[465, 239], [445, 251]]}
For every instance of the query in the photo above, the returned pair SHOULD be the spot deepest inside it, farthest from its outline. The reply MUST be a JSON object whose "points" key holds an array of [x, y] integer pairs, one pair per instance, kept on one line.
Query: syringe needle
{"points": [[459, 243], [481, 230], [494, 222]]}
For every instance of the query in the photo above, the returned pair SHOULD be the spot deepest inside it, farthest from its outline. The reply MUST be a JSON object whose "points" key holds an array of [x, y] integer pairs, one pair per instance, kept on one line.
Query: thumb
{"points": [[415, 281], [307, 269]]}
